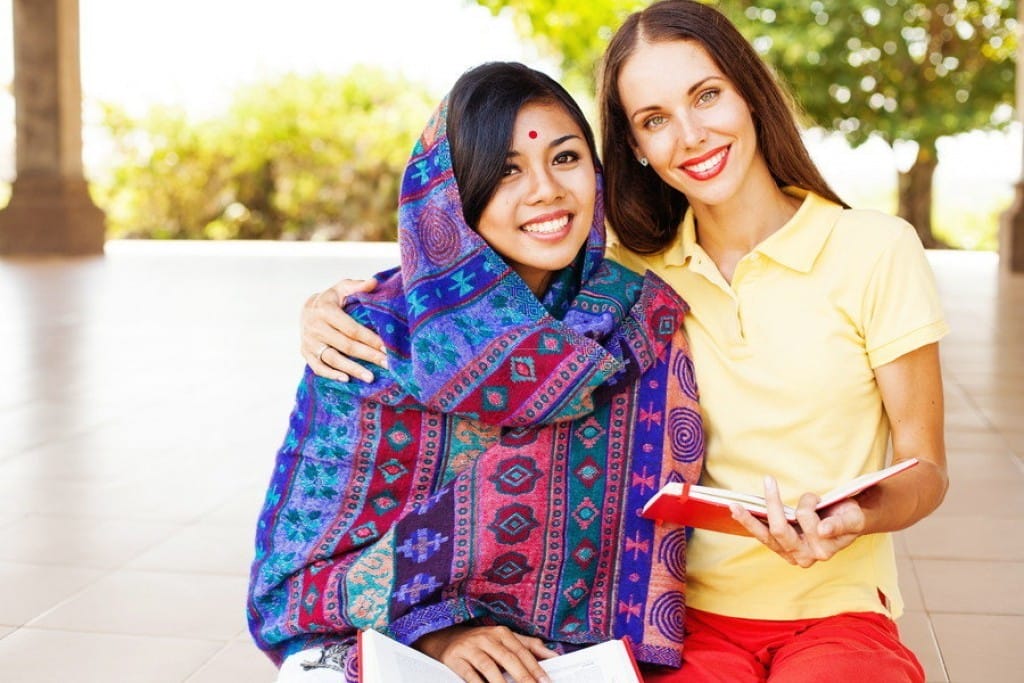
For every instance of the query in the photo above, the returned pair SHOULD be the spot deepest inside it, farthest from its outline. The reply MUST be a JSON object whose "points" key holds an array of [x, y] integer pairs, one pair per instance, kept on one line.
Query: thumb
{"points": [[367, 285], [348, 287], [847, 519]]}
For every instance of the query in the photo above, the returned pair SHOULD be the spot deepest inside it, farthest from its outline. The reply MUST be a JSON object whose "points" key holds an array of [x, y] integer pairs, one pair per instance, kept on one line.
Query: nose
{"points": [[545, 186], [692, 132]]}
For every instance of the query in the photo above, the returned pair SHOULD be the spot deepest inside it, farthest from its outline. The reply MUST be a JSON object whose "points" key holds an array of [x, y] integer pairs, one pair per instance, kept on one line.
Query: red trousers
{"points": [[861, 646]]}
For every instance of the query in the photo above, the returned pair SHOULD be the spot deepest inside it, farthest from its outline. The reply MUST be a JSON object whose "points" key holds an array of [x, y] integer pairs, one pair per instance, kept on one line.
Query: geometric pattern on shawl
{"points": [[496, 471], [456, 306]]}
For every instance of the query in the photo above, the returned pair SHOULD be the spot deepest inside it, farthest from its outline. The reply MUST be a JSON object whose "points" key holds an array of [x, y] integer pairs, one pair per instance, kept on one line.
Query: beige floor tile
{"points": [[202, 549], [909, 587], [965, 538], [36, 656], [981, 648], [147, 499], [157, 604], [243, 508], [967, 468], [94, 456], [28, 590], [88, 439], [1016, 443], [8, 517], [989, 499], [239, 661], [976, 441], [916, 633], [971, 587], [107, 543], [967, 418]]}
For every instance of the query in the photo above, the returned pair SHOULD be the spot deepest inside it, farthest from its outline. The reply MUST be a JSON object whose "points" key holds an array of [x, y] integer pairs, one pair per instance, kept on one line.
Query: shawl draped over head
{"points": [[494, 474]]}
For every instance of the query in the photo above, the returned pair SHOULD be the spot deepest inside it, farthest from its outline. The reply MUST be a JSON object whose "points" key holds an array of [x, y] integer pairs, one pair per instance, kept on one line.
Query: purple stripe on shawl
{"points": [[645, 477]]}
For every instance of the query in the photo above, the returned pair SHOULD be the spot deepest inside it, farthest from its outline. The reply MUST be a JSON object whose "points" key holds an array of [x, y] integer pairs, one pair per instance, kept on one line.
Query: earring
{"points": [[643, 161]]}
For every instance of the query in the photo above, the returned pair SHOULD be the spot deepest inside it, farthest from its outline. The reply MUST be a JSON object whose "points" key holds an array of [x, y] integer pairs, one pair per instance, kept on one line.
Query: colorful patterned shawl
{"points": [[495, 474]]}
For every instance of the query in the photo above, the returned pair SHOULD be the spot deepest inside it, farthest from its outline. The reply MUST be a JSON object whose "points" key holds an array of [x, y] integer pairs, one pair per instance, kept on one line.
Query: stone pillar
{"points": [[50, 211], [1011, 228]]}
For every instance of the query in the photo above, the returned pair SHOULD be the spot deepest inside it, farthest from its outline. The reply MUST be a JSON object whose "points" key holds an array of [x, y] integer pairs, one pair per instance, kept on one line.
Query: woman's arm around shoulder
{"points": [[330, 338]]}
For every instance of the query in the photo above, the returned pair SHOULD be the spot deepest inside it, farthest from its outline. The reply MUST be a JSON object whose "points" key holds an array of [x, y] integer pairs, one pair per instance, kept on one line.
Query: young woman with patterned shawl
{"points": [[536, 396]]}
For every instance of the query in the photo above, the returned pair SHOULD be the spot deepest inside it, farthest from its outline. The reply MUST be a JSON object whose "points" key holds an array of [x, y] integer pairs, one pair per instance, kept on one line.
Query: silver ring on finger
{"points": [[320, 352]]}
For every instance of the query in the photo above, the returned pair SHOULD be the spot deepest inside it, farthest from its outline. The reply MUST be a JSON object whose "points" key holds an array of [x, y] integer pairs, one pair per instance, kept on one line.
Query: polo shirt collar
{"points": [[795, 245], [680, 250]]}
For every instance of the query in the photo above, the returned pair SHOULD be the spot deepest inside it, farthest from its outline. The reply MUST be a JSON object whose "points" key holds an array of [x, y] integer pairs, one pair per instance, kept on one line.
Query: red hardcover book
{"points": [[707, 507]]}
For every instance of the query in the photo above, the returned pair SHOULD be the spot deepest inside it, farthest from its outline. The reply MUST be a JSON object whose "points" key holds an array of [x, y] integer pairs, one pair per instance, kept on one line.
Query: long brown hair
{"points": [[644, 211]]}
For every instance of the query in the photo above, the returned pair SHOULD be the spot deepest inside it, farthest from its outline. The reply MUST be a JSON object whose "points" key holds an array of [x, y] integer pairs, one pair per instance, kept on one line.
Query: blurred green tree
{"points": [[907, 71], [298, 158]]}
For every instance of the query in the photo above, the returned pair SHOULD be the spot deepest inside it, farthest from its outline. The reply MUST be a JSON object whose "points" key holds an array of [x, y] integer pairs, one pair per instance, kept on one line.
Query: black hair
{"points": [[482, 109]]}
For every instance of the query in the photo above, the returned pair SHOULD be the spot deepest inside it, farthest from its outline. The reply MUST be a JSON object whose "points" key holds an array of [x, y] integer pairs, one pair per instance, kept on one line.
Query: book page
{"points": [[755, 504], [383, 660], [864, 481], [608, 662], [750, 502]]}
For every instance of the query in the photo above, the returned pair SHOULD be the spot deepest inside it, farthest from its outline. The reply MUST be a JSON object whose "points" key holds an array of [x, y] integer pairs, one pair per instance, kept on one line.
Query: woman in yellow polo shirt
{"points": [[814, 331]]}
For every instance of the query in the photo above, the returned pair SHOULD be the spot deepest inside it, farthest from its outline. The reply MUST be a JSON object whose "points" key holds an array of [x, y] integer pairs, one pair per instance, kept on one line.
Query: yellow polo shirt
{"points": [[784, 358]]}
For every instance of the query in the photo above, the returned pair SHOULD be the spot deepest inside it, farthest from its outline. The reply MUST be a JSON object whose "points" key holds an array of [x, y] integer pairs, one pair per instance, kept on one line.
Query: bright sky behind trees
{"points": [[194, 53]]}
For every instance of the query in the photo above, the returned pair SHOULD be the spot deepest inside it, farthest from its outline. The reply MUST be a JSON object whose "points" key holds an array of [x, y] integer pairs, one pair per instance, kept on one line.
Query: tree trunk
{"points": [[915, 188]]}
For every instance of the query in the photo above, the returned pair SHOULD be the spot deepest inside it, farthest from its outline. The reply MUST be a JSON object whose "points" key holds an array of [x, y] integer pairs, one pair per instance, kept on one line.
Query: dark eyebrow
{"points": [[693, 88], [558, 141], [554, 143]]}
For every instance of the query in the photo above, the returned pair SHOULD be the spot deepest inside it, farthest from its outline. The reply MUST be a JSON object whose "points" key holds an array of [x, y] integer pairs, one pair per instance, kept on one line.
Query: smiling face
{"points": [[541, 212], [691, 123]]}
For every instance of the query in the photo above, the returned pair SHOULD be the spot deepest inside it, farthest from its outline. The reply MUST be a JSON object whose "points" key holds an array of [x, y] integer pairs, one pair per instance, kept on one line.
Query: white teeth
{"points": [[707, 164], [547, 227]]}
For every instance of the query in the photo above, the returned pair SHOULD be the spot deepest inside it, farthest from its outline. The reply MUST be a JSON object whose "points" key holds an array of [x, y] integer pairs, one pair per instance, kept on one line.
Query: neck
{"points": [[730, 231]]}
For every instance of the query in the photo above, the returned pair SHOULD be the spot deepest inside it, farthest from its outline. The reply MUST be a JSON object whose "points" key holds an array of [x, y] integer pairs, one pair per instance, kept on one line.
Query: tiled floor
{"points": [[142, 397]]}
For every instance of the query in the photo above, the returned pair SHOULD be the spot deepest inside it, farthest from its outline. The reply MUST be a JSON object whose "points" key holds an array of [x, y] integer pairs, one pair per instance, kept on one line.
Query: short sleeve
{"points": [[902, 311]]}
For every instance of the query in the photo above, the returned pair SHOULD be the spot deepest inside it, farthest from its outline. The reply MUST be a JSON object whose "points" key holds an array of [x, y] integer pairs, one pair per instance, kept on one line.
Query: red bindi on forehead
{"points": [[533, 135]]}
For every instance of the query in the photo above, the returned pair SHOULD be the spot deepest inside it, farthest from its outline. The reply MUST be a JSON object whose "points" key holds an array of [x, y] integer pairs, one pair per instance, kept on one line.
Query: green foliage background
{"points": [[321, 157], [317, 157], [900, 70]]}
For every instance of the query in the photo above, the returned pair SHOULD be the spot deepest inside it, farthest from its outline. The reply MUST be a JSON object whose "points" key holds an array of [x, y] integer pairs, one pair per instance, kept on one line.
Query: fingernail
{"points": [[769, 483], [383, 362], [342, 378], [366, 377]]}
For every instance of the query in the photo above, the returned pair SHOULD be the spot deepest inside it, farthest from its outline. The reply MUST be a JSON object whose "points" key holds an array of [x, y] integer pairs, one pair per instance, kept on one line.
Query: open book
{"points": [[707, 507], [384, 660]]}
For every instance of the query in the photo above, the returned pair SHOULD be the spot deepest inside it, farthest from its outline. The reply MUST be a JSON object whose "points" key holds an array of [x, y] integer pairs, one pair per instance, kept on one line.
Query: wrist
{"points": [[433, 644]]}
